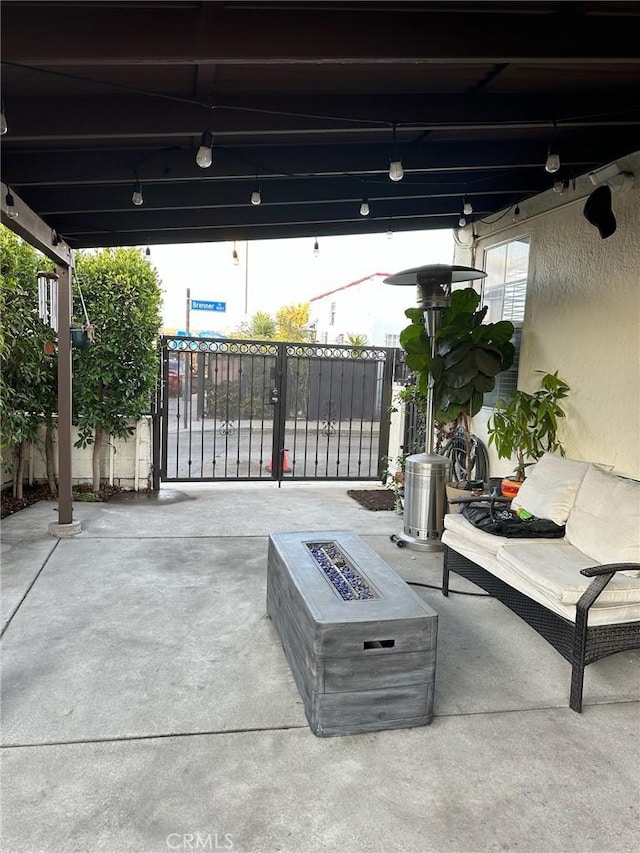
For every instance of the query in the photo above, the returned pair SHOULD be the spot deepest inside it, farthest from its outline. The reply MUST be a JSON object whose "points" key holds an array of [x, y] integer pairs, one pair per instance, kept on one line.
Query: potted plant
{"points": [[469, 354], [526, 425]]}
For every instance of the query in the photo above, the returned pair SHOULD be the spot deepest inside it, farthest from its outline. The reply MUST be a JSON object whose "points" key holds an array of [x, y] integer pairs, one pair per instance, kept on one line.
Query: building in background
{"points": [[365, 310]]}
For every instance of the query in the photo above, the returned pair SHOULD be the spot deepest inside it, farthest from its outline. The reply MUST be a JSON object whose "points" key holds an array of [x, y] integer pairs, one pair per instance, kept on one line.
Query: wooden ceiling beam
{"points": [[252, 35], [122, 117]]}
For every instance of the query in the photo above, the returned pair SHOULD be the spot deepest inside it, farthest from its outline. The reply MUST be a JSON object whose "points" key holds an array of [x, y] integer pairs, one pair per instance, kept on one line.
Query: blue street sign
{"points": [[202, 305]]}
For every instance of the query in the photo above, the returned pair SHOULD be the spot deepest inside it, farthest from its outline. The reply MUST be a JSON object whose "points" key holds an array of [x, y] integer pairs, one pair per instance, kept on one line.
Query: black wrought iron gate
{"points": [[256, 410]]}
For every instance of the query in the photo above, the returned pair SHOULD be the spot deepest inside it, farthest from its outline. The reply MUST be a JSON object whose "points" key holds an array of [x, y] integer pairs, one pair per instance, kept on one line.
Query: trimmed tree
{"points": [[115, 378], [28, 378]]}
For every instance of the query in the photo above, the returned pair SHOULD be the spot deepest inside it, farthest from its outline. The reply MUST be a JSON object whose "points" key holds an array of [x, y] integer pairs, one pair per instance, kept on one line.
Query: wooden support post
{"points": [[65, 499]]}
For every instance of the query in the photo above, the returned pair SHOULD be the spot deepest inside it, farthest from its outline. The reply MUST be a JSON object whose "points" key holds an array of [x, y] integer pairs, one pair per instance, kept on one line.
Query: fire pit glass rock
{"points": [[346, 580]]}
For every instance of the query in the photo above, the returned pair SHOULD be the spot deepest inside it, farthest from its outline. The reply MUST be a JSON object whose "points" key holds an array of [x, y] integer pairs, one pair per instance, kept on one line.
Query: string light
{"points": [[137, 198], [204, 157], [148, 252], [462, 222], [389, 233], [4, 127], [316, 248], [234, 255], [12, 212], [516, 212], [364, 207], [553, 162], [256, 197], [396, 171], [467, 208]]}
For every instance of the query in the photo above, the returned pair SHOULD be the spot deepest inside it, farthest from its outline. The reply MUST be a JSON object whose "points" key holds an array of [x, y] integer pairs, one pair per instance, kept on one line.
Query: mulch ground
{"points": [[40, 492], [374, 499]]}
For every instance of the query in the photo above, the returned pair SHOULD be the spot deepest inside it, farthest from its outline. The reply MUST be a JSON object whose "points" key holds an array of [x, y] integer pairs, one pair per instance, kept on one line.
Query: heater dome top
{"points": [[444, 272]]}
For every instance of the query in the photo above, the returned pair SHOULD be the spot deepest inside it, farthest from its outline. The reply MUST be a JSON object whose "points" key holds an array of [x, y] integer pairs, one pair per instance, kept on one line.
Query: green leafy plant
{"points": [[28, 378], [526, 425], [115, 378], [469, 354]]}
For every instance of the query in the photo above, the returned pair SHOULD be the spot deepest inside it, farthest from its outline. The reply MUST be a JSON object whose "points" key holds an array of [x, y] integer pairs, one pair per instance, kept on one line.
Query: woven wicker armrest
{"points": [[610, 568], [601, 576]]}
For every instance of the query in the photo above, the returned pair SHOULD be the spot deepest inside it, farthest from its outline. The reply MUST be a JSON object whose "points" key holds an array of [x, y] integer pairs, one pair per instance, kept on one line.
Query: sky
{"points": [[280, 272]]}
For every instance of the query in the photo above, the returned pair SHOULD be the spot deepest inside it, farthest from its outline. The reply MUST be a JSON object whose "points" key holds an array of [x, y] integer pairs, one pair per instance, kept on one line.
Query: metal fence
{"points": [[255, 410]]}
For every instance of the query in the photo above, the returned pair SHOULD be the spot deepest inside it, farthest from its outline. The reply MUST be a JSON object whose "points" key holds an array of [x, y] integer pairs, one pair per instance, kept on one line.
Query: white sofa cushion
{"points": [[559, 553], [550, 488], [605, 520], [554, 569]]}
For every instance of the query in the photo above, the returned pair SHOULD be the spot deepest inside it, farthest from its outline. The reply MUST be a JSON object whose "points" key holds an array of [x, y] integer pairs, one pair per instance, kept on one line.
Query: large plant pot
{"points": [[510, 488]]}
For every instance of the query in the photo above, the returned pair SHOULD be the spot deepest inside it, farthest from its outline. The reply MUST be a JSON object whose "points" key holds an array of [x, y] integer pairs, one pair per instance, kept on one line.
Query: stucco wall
{"points": [[125, 463], [582, 318]]}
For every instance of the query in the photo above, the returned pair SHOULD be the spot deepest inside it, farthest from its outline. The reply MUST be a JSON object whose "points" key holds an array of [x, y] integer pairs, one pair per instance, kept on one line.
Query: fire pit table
{"points": [[360, 643]]}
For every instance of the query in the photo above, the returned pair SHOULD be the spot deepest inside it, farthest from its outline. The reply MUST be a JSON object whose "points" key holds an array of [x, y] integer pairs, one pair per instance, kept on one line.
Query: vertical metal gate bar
{"points": [[165, 410], [340, 415], [200, 411], [240, 389], [329, 420], [252, 362], [277, 446], [385, 409], [265, 397]]}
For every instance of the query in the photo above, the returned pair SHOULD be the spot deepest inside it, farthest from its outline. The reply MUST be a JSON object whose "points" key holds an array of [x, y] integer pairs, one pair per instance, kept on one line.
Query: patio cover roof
{"points": [[302, 99]]}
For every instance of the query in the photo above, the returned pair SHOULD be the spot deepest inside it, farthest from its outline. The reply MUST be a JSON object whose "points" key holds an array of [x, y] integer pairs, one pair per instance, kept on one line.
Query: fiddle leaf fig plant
{"points": [[469, 354], [526, 425]]}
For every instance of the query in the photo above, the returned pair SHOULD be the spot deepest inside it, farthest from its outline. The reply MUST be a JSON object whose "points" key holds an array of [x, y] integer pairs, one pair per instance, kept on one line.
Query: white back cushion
{"points": [[605, 521], [551, 487]]}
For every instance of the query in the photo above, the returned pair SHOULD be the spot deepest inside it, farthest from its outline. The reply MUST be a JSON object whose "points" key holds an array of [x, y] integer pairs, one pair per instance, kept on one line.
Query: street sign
{"points": [[204, 305]]}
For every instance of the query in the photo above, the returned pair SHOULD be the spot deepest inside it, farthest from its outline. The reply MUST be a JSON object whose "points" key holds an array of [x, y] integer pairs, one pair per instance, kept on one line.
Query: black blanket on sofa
{"points": [[505, 522]]}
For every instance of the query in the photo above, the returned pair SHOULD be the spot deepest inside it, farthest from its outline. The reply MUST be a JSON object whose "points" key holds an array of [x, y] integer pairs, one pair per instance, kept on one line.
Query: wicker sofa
{"points": [[581, 592]]}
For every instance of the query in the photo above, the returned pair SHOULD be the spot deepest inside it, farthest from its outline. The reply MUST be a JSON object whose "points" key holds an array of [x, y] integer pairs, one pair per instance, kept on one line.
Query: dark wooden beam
{"points": [[290, 36], [25, 222], [121, 117]]}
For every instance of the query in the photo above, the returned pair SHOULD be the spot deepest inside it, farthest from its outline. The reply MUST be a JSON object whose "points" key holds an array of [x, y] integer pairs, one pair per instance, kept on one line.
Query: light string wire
{"points": [[393, 125]]}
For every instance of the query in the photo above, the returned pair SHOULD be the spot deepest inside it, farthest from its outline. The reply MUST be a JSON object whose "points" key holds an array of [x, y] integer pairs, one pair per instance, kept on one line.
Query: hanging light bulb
{"points": [[12, 212], [234, 255], [467, 208], [316, 248], [137, 198], [462, 222], [364, 207], [256, 197], [204, 157], [389, 233], [516, 212], [553, 162], [148, 252], [396, 171], [4, 127]]}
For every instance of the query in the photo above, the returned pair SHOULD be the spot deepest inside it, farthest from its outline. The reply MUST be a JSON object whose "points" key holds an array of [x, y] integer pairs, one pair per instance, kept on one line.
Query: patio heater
{"points": [[426, 474]]}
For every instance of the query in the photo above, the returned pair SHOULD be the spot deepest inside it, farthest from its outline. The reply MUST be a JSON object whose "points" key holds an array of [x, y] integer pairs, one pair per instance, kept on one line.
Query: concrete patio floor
{"points": [[148, 706]]}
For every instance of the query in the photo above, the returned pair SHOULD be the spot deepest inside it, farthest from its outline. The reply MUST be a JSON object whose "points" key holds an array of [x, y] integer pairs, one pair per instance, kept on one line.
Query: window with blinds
{"points": [[505, 292]]}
